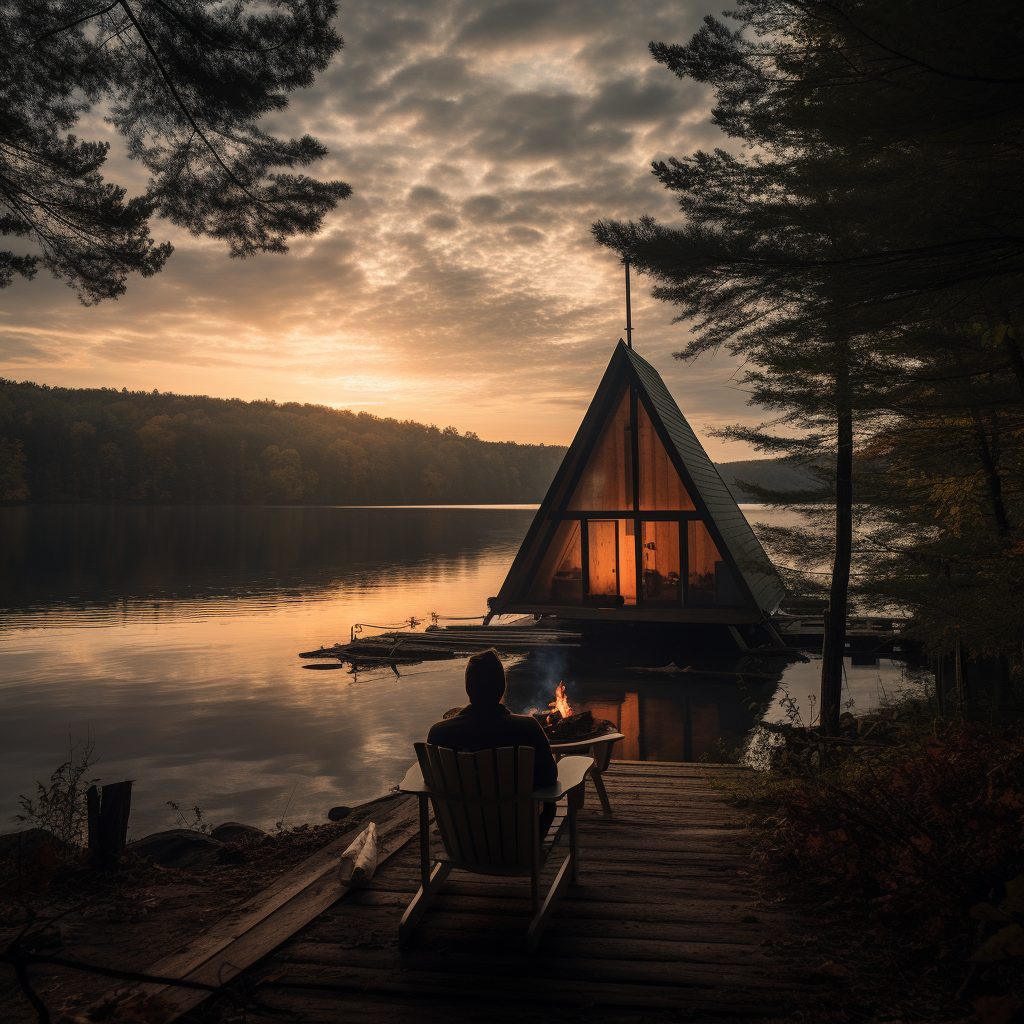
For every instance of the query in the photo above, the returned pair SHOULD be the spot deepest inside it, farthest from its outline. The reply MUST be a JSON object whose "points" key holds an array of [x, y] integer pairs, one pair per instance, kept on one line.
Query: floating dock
{"points": [[438, 643], [866, 636]]}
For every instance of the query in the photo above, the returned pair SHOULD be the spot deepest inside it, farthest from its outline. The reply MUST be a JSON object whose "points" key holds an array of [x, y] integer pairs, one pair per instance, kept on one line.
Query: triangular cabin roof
{"points": [[637, 524]]}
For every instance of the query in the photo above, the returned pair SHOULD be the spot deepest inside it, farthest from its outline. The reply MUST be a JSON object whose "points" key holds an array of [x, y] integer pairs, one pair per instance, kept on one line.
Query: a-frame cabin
{"points": [[637, 525]]}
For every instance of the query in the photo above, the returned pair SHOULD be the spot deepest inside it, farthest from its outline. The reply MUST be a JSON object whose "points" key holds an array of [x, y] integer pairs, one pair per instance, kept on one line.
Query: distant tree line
{"points": [[65, 444]]}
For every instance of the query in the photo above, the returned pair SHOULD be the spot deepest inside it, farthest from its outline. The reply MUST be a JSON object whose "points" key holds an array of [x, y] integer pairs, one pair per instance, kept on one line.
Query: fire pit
{"points": [[566, 729], [563, 724]]}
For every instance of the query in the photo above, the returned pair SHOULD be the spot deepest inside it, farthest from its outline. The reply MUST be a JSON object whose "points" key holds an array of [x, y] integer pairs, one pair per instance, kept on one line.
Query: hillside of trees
{"points": [[69, 444]]}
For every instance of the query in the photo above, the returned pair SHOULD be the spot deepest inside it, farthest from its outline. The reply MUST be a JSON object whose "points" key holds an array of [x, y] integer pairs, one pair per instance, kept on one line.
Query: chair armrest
{"points": [[571, 772], [413, 781]]}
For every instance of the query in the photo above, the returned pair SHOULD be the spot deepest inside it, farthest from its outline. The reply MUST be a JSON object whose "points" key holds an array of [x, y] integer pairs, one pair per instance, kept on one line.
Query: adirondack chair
{"points": [[487, 811]]}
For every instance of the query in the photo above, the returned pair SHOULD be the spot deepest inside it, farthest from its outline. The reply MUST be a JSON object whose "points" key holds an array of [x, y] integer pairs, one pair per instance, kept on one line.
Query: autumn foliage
{"points": [[921, 835]]}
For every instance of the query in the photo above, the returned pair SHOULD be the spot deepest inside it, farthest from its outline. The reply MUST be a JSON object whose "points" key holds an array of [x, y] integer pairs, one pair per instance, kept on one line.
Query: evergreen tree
{"points": [[875, 219], [185, 82]]}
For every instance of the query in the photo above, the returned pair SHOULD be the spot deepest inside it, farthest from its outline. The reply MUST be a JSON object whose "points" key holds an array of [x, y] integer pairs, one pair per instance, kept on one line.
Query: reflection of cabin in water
{"points": [[637, 524]]}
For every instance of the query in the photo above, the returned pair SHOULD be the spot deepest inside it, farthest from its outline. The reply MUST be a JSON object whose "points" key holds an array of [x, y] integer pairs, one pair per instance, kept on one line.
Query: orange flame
{"points": [[561, 703]]}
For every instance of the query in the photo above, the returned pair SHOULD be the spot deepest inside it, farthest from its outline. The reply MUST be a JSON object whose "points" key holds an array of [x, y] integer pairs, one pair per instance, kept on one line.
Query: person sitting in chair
{"points": [[485, 723]]}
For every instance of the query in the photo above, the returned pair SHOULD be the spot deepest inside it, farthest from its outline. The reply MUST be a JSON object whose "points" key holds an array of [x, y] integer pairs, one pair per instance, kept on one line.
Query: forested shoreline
{"points": [[100, 444]]}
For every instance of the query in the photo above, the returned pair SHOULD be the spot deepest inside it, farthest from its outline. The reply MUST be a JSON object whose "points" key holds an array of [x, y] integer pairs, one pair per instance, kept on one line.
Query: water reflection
{"points": [[53, 555], [172, 635], [203, 699], [668, 715]]}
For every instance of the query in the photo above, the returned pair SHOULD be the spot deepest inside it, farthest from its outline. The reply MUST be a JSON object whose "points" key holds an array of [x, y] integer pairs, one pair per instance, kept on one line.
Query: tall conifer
{"points": [[860, 251]]}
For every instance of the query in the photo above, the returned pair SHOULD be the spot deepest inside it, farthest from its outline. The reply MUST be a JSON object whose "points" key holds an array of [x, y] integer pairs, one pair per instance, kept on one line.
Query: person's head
{"points": [[485, 678]]}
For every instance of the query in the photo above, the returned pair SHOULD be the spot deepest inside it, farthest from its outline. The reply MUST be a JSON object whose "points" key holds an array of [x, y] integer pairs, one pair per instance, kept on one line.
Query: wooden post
{"points": [[108, 822]]}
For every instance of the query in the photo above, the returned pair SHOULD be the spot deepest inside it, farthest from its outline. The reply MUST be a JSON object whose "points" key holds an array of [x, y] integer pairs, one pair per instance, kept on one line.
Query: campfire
{"points": [[564, 724]]}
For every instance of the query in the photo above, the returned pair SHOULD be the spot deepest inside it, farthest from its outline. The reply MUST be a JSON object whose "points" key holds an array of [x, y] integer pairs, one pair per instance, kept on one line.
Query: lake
{"points": [[169, 638]]}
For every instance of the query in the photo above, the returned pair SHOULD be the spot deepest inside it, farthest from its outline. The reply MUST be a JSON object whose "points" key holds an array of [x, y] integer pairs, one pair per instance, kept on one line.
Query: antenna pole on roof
{"points": [[629, 314]]}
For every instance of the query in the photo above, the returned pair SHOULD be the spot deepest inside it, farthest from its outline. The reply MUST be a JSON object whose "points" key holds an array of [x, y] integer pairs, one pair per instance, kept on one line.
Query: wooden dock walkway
{"points": [[666, 924]]}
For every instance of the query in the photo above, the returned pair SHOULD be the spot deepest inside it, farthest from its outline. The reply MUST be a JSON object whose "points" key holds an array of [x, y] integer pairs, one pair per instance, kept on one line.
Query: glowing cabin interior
{"points": [[625, 531]]}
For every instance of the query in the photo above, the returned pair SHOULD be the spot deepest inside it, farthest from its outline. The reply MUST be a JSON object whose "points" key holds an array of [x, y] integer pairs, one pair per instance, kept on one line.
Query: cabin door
{"points": [[661, 579], [603, 558]]}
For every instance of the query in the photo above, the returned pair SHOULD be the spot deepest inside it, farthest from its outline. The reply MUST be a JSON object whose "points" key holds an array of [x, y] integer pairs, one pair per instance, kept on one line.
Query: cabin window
{"points": [[661, 488], [660, 547], [560, 577], [710, 581], [592, 560], [607, 481]]}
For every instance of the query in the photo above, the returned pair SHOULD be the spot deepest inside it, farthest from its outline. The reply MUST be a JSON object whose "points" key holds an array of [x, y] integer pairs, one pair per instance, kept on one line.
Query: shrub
{"points": [[61, 807], [923, 832]]}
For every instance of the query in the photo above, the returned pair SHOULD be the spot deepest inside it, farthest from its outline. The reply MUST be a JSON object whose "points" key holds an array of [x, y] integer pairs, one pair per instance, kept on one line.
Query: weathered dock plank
{"points": [[666, 917]]}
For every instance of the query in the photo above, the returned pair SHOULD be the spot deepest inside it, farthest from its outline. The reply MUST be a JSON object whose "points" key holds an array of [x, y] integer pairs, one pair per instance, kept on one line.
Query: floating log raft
{"points": [[444, 642]]}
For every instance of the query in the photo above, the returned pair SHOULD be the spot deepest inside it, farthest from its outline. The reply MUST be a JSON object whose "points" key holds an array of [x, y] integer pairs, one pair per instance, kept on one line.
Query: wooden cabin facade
{"points": [[637, 524]]}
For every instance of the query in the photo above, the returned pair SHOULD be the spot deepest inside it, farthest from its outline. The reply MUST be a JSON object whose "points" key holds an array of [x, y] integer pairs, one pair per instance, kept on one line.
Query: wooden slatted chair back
{"points": [[483, 805]]}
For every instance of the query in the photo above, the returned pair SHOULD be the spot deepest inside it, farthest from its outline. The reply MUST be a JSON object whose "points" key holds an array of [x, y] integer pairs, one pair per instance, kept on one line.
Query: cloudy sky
{"points": [[459, 284]]}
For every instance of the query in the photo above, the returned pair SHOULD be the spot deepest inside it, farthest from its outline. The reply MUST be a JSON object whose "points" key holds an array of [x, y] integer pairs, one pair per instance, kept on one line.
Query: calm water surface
{"points": [[169, 636]]}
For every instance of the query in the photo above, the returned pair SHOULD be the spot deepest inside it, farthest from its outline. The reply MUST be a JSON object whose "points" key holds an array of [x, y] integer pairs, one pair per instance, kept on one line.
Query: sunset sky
{"points": [[459, 284]]}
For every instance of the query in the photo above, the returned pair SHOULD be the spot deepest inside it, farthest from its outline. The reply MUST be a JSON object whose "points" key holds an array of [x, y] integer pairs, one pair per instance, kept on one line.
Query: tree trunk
{"points": [[992, 478], [834, 641], [1016, 360]]}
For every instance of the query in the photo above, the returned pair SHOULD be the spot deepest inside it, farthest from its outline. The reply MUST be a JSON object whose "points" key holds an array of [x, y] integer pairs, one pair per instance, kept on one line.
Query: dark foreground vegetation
{"points": [[69, 444], [903, 836]]}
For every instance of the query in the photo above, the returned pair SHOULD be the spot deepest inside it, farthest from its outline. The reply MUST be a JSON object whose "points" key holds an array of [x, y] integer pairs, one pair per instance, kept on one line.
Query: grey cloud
{"points": [[436, 75], [393, 35], [441, 222], [629, 101], [482, 139], [482, 207], [517, 21], [427, 197], [437, 117], [19, 348], [524, 236], [531, 126], [450, 174]]}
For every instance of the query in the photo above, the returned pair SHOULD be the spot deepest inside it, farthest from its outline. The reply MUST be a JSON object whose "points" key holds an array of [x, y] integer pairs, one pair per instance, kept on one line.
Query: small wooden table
{"points": [[600, 749]]}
